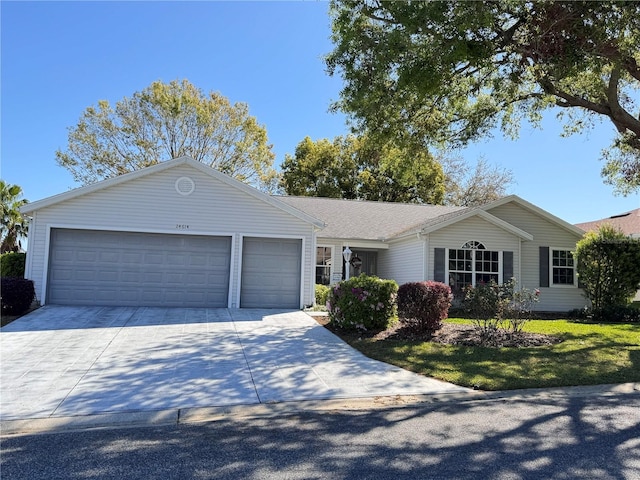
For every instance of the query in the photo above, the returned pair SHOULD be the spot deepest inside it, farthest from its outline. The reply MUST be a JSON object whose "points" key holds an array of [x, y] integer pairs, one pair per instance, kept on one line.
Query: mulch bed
{"points": [[7, 319], [449, 334]]}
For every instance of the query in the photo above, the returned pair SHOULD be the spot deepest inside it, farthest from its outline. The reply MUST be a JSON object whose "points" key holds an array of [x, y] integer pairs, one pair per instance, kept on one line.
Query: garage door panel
{"points": [[132, 258], [132, 269], [271, 271], [153, 259], [130, 277]]}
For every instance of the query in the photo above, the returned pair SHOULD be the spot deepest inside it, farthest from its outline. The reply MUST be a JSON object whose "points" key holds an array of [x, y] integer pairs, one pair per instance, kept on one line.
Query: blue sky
{"points": [[58, 58]]}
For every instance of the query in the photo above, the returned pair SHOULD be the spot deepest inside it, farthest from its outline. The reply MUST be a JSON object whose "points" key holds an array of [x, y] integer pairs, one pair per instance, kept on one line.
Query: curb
{"points": [[197, 415]]}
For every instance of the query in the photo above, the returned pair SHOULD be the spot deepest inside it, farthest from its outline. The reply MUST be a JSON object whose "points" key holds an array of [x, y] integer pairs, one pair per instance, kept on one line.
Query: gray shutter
{"points": [[507, 266], [438, 265], [544, 266]]}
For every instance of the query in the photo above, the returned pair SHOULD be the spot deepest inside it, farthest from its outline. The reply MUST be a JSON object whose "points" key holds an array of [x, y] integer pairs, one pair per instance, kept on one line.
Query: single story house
{"points": [[182, 234], [628, 223]]}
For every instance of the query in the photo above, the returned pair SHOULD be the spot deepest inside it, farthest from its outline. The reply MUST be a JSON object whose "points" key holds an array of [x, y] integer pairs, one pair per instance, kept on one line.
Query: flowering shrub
{"points": [[519, 308], [424, 305], [493, 307], [363, 303]]}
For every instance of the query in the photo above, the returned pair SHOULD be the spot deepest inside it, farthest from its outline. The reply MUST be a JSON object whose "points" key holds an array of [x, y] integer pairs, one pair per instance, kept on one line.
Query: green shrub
{"points": [[12, 264], [424, 305], [322, 294], [616, 313], [363, 303], [17, 294], [494, 307], [608, 265]]}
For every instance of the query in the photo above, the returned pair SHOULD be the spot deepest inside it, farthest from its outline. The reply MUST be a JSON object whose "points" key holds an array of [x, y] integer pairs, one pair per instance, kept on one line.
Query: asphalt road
{"points": [[546, 438]]}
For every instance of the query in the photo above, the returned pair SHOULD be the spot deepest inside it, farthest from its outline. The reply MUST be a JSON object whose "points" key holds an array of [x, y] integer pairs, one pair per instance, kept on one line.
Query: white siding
{"points": [[152, 204], [546, 234], [403, 261], [478, 229]]}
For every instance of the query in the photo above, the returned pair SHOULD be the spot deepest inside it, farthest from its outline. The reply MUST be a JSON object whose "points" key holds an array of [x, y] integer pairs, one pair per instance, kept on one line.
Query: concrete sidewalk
{"points": [[77, 361]]}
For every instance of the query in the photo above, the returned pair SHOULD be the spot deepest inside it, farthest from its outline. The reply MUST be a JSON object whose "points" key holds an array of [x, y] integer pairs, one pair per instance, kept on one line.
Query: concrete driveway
{"points": [[65, 361]]}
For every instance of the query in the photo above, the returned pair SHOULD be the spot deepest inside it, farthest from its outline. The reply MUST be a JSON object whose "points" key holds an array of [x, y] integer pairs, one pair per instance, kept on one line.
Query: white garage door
{"points": [[270, 273], [88, 267]]}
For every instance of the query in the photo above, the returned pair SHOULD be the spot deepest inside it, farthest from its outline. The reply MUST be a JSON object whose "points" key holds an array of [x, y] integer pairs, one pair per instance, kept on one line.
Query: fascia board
{"points": [[94, 187]]}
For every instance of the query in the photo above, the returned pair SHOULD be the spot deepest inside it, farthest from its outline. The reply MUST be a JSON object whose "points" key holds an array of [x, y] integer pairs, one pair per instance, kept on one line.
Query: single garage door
{"points": [[270, 273], [88, 267]]}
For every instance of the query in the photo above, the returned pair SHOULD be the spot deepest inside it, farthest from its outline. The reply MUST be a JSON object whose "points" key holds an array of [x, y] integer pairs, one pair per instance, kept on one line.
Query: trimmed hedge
{"points": [[322, 294], [611, 314], [12, 264], [363, 303], [424, 305], [17, 295]]}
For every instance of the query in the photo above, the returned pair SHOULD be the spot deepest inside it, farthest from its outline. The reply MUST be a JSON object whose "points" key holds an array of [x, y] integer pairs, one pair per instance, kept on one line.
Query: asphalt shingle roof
{"points": [[357, 219], [628, 222]]}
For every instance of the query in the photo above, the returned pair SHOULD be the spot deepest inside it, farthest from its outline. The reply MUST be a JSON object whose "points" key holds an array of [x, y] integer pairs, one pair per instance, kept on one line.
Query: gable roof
{"points": [[628, 223], [473, 212], [110, 182], [365, 220], [383, 221], [535, 209]]}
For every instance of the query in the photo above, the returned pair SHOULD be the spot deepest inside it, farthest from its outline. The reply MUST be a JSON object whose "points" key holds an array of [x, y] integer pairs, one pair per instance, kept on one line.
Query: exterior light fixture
{"points": [[346, 254]]}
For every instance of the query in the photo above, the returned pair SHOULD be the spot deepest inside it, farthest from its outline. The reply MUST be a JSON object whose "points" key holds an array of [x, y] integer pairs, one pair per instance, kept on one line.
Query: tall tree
{"points": [[321, 168], [448, 72], [469, 186], [165, 121], [358, 168], [14, 226]]}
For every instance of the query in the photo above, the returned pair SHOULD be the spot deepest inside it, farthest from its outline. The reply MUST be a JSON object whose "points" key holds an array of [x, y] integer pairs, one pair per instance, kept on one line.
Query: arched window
{"points": [[473, 245]]}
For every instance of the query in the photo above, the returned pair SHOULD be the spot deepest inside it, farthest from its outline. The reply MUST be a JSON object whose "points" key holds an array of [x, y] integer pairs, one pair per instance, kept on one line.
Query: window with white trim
{"points": [[472, 264], [563, 269], [323, 265]]}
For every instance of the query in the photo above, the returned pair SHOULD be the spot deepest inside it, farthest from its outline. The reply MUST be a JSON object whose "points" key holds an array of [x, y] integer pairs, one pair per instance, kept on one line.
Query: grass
{"points": [[590, 354]]}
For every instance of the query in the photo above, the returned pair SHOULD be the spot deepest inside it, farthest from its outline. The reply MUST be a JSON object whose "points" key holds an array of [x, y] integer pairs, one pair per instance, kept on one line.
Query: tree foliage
{"points": [[608, 265], [14, 226], [468, 186], [166, 121], [358, 168], [449, 72]]}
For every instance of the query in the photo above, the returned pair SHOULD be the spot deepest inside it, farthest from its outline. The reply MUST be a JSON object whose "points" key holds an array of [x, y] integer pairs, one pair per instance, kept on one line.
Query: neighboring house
{"points": [[628, 223], [182, 234]]}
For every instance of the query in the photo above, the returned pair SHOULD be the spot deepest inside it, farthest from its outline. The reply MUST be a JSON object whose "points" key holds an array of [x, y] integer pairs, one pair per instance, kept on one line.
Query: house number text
{"points": [[182, 226]]}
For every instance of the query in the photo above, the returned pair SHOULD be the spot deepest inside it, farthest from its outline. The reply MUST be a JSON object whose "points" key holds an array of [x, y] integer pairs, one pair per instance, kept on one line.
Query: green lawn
{"points": [[590, 354]]}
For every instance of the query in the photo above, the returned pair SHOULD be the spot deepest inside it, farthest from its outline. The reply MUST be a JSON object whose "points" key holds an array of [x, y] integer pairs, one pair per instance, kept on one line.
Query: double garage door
{"points": [[88, 267]]}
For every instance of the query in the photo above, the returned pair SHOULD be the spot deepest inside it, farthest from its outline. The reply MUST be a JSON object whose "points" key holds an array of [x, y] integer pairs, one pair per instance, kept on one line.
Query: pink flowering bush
{"points": [[363, 303], [424, 305]]}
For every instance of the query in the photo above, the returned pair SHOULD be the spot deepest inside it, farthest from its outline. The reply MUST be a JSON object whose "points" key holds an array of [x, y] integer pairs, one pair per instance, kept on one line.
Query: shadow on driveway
{"points": [[88, 360]]}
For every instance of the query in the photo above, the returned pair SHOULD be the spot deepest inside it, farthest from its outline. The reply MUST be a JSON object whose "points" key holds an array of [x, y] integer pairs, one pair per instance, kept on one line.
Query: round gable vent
{"points": [[185, 186]]}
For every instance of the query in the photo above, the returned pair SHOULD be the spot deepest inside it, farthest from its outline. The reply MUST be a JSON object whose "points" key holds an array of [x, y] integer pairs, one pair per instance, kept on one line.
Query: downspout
{"points": [[520, 263], [425, 254], [31, 232], [312, 267]]}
